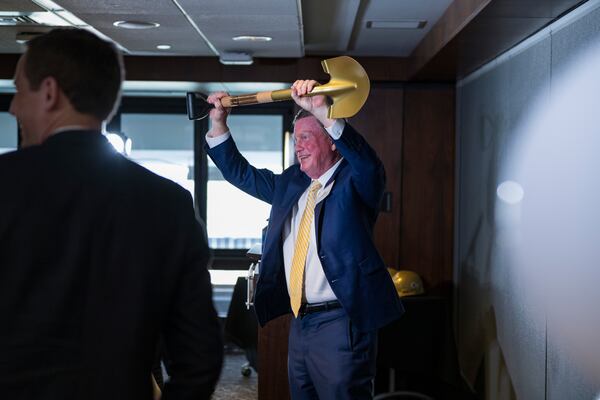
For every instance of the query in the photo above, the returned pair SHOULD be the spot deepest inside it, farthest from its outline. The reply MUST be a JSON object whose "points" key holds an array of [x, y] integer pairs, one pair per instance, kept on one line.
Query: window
{"points": [[167, 143], [8, 132], [234, 219], [162, 143]]}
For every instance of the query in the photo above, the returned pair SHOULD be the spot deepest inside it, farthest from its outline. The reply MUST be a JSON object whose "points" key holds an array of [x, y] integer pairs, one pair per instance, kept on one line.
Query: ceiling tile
{"points": [[320, 27], [394, 42], [136, 8], [19, 5], [199, 8], [220, 21], [173, 30]]}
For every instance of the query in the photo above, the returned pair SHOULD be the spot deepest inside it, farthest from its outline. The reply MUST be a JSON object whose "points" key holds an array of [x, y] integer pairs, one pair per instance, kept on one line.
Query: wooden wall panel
{"points": [[205, 69], [455, 18], [272, 359], [208, 69], [426, 230], [380, 122]]}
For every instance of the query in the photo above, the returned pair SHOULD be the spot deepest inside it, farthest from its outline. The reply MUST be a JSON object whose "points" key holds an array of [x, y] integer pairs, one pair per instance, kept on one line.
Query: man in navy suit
{"points": [[99, 257], [345, 292]]}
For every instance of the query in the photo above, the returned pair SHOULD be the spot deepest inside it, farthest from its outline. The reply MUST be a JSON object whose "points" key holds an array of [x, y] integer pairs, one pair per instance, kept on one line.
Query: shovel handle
{"points": [[254, 98], [284, 94]]}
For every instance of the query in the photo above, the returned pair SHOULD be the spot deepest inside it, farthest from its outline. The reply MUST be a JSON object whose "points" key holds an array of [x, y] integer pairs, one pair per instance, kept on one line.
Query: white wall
{"points": [[528, 217]]}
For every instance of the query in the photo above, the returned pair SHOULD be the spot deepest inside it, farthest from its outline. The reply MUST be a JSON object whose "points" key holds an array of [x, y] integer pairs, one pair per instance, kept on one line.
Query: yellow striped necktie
{"points": [[301, 248]]}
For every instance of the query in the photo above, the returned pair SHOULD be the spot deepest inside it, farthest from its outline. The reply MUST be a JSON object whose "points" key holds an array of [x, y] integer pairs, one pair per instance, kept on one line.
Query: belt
{"points": [[307, 308]]}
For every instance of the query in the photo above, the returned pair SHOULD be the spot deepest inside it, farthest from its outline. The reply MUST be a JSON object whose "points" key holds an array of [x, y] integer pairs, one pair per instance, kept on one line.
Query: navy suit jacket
{"points": [[98, 258], [344, 224]]}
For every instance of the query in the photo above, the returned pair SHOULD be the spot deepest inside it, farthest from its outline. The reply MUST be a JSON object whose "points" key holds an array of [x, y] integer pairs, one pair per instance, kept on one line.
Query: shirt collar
{"points": [[323, 179]]}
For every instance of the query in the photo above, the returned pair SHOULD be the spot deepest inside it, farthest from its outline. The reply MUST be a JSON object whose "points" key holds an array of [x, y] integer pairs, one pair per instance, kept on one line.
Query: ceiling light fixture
{"points": [[239, 58], [9, 14], [70, 19], [136, 24], [46, 18], [14, 18], [57, 10], [397, 24], [250, 38], [164, 47]]}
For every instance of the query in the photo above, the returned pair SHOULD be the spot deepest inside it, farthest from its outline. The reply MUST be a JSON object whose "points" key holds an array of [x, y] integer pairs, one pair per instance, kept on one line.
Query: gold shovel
{"points": [[348, 88]]}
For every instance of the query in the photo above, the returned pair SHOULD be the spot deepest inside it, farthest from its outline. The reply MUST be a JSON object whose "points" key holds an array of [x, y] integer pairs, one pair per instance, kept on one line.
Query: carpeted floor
{"points": [[232, 384]]}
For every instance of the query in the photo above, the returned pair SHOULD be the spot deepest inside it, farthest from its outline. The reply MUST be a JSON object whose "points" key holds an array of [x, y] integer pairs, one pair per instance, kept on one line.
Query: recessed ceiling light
{"points": [[163, 46], [397, 24], [248, 38], [136, 24]]}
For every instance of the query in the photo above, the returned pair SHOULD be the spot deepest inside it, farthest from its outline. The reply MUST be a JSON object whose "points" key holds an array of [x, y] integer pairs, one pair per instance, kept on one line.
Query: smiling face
{"points": [[314, 148]]}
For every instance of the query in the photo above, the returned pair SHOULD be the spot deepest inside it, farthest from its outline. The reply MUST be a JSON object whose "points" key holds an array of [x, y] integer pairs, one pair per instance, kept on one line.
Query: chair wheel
{"points": [[246, 370]]}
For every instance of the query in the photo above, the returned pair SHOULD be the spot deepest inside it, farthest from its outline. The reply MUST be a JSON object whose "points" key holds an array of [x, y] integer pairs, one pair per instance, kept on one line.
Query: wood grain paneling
{"points": [[380, 122], [454, 19], [412, 130], [272, 359], [203, 69], [208, 69], [426, 232]]}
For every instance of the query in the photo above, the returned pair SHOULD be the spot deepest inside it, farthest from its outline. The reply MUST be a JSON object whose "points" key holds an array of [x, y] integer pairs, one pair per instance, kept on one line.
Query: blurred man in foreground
{"points": [[99, 258]]}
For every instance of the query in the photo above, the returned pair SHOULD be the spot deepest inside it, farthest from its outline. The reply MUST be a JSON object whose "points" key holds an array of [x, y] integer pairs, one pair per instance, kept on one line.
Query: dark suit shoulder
{"points": [[15, 164], [79, 160], [292, 171], [18, 155]]}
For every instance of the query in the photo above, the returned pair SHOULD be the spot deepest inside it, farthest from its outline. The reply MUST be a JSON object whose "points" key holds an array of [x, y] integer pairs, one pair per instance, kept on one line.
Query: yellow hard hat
{"points": [[407, 283]]}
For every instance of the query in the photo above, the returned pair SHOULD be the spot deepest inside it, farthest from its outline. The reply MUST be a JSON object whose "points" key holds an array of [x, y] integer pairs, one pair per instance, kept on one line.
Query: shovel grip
{"points": [[247, 99], [268, 97]]}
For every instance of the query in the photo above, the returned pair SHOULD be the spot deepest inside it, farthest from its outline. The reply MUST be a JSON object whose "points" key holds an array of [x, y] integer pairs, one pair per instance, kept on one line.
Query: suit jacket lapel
{"points": [[320, 204], [296, 185]]}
